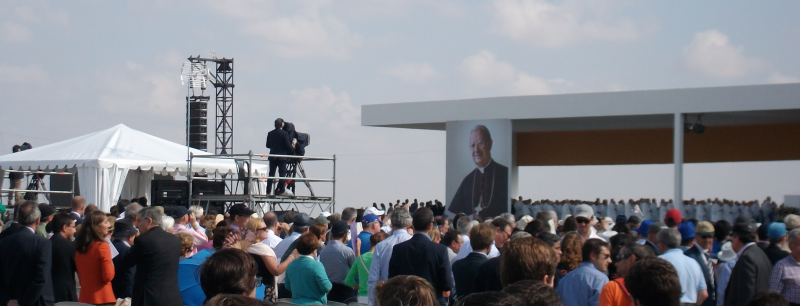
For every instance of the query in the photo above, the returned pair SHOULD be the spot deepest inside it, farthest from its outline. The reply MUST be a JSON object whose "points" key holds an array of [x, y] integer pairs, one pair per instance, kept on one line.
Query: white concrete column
{"points": [[514, 183], [677, 159]]}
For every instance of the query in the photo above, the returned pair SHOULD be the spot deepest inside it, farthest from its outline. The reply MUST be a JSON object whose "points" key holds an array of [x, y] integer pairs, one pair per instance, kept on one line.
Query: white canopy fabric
{"points": [[103, 160]]}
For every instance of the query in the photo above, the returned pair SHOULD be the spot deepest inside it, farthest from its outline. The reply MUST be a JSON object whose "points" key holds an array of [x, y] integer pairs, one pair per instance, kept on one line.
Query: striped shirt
{"points": [[786, 279]]}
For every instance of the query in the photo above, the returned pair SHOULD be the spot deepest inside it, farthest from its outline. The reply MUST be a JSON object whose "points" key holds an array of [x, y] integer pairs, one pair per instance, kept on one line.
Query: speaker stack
{"points": [[198, 122]]}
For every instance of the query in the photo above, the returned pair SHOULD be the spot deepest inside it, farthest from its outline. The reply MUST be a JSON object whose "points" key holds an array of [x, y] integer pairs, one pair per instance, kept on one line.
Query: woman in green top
{"points": [[360, 269], [306, 277]]}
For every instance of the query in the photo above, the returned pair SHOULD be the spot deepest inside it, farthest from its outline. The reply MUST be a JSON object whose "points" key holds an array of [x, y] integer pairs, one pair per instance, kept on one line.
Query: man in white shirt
{"points": [[271, 220]]}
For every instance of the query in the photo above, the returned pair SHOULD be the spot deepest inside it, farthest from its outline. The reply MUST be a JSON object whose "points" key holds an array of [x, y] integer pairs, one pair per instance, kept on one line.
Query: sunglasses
{"points": [[261, 229], [582, 220], [621, 256]]}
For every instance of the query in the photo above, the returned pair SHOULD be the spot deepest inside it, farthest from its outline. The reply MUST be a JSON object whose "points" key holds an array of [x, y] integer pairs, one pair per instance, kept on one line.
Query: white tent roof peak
{"points": [[119, 145]]}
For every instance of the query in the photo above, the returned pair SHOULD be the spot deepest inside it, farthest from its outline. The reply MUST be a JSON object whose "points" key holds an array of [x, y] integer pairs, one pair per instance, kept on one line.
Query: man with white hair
{"points": [[197, 211], [155, 253], [379, 270]]}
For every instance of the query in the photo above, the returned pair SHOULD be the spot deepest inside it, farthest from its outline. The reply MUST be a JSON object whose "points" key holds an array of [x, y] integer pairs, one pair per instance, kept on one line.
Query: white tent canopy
{"points": [[111, 161]]}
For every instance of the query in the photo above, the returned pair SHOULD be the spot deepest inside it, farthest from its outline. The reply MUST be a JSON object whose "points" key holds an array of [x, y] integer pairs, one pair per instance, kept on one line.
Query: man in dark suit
{"points": [[422, 257], [752, 271], [155, 253], [280, 143], [465, 270], [700, 252], [484, 191], [124, 236], [26, 262], [78, 205], [64, 289]]}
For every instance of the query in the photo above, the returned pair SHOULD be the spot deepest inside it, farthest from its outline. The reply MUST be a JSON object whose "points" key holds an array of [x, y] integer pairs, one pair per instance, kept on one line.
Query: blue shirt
{"points": [[364, 237], [689, 274], [582, 286], [379, 270]]}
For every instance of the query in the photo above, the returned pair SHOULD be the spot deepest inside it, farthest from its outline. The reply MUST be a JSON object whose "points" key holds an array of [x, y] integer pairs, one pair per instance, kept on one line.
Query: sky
{"points": [[76, 67]]}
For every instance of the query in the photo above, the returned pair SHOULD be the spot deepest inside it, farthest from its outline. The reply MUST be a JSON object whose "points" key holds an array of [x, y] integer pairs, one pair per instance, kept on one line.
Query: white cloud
{"points": [[302, 29], [485, 70], [711, 53], [151, 88], [324, 109], [12, 32], [23, 75], [779, 78], [539, 22], [413, 72]]}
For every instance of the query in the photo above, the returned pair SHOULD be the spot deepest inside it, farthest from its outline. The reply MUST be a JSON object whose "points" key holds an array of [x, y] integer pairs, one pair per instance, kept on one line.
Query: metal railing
{"points": [[250, 157], [70, 192]]}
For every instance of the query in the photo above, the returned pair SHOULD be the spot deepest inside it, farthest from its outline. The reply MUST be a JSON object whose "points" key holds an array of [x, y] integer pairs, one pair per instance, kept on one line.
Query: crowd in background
{"points": [[404, 254]]}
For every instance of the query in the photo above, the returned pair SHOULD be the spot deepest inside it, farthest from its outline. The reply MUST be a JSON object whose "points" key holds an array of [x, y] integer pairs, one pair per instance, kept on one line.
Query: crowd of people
{"points": [[405, 255]]}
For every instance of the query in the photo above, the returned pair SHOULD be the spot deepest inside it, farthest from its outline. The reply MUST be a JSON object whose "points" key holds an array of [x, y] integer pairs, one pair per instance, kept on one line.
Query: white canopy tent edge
{"points": [[117, 162]]}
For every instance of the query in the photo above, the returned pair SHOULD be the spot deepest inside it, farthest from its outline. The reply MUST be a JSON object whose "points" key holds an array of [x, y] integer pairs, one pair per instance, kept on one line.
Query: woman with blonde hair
{"points": [[187, 245], [93, 260], [266, 260]]}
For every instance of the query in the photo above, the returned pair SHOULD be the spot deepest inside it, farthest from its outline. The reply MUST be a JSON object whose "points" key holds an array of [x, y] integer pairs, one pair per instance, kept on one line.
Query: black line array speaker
{"points": [[201, 188], [62, 183], [198, 122]]}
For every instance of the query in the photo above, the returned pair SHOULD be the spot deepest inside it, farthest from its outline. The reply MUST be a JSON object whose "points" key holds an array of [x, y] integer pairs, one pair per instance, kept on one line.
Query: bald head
{"points": [[78, 204]]}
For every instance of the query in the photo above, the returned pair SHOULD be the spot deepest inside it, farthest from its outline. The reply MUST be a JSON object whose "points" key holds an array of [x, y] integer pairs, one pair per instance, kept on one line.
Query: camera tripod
{"points": [[36, 184], [293, 170]]}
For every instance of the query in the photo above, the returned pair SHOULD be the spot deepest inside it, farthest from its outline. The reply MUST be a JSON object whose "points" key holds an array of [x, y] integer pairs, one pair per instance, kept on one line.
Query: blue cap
{"points": [[367, 219], [777, 230], [687, 230], [642, 230]]}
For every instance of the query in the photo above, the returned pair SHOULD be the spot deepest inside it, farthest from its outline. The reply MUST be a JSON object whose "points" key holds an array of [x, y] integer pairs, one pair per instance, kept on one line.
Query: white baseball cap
{"points": [[374, 211]]}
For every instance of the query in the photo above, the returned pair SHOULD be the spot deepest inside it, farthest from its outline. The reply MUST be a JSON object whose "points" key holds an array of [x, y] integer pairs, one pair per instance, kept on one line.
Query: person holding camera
{"points": [[279, 143]]}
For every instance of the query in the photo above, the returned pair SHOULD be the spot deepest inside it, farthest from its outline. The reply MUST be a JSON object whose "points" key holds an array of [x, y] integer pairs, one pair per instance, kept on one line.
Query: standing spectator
{"points": [[503, 230], [379, 270], [785, 277], [123, 236], [687, 231], [701, 253], [722, 229], [777, 238], [78, 205], [752, 271], [47, 216], [614, 292], [266, 260], [131, 214], [371, 224], [453, 241], [654, 282], [15, 197], [306, 277], [465, 270], [648, 234], [337, 259], [63, 272], [185, 223], [279, 142], [405, 290], [673, 219], [227, 271], [197, 211], [768, 298], [693, 284], [726, 260], [571, 256], [584, 214], [442, 224], [349, 215], [155, 253], [300, 225], [93, 260], [422, 257], [488, 277], [527, 259], [360, 269], [271, 221], [25, 272], [583, 285]]}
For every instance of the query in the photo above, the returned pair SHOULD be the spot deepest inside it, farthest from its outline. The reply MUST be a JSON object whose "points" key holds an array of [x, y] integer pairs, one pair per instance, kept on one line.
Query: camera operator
{"points": [[279, 143], [15, 181]]}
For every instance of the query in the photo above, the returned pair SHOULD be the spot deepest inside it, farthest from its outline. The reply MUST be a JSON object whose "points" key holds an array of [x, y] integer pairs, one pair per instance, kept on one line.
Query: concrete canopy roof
{"points": [[645, 109]]}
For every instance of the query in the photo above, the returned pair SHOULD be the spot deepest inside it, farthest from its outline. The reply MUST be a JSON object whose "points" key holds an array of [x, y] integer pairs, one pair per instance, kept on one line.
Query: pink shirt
{"points": [[199, 235]]}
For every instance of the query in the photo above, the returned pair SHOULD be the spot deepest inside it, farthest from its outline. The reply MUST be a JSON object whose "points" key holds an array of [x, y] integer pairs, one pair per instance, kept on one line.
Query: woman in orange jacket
{"points": [[93, 261]]}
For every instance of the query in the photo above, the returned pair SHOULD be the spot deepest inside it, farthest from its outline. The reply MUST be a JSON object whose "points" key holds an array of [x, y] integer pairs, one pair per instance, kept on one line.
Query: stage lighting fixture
{"points": [[697, 127]]}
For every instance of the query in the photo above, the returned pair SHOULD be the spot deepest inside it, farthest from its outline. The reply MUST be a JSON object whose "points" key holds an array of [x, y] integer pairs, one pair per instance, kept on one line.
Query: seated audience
{"points": [[405, 290], [228, 271], [654, 282]]}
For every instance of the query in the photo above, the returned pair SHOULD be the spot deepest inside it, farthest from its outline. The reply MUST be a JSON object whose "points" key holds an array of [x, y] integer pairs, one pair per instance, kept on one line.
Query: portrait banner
{"points": [[478, 162]]}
